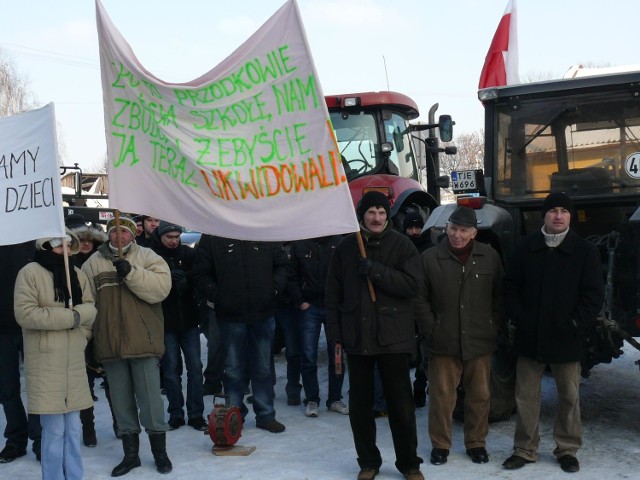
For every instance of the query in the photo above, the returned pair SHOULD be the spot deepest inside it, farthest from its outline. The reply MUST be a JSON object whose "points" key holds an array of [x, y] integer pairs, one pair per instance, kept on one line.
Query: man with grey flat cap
{"points": [[460, 311]]}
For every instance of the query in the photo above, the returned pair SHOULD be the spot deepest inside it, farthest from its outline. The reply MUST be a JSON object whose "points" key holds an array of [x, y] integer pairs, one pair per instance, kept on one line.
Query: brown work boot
{"points": [[414, 474], [367, 474]]}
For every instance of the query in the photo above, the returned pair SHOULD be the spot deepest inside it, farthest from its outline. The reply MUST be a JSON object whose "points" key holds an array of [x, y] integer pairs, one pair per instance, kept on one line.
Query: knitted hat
{"points": [[125, 222], [464, 216], [556, 199], [413, 219], [167, 227], [373, 199]]}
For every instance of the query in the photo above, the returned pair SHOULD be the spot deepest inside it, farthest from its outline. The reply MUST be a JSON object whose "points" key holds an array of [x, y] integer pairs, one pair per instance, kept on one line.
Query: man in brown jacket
{"points": [[460, 310]]}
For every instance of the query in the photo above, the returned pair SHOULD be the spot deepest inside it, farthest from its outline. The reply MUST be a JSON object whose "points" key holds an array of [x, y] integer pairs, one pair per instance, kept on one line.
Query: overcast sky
{"points": [[431, 51]]}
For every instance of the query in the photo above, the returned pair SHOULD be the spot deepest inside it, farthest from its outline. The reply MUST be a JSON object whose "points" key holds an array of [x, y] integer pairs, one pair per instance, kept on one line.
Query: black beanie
{"points": [[556, 199], [75, 220], [413, 219], [167, 227], [373, 199]]}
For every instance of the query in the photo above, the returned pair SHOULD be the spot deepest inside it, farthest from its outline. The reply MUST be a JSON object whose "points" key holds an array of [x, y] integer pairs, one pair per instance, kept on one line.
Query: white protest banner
{"points": [[30, 177], [245, 151]]}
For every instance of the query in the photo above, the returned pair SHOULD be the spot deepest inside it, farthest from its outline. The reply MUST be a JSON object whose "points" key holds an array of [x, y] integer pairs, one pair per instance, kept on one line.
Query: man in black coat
{"points": [[380, 332], [241, 280], [19, 427], [181, 331], [553, 294]]}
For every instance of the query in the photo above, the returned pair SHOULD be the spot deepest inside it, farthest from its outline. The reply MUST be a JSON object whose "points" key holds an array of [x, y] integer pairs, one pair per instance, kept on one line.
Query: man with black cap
{"points": [[181, 331], [553, 294], [412, 227], [460, 311], [377, 331]]}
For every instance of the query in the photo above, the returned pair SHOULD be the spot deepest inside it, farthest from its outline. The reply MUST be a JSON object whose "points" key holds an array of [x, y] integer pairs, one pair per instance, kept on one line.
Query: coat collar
{"points": [[567, 245]]}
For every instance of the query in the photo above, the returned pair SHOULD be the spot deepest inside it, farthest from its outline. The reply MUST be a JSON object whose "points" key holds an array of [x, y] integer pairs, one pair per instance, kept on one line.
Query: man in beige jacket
{"points": [[129, 338]]}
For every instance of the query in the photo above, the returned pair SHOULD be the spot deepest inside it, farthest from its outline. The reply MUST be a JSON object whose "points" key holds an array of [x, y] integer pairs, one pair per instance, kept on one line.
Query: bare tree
{"points": [[533, 76], [470, 155], [102, 166], [15, 96]]}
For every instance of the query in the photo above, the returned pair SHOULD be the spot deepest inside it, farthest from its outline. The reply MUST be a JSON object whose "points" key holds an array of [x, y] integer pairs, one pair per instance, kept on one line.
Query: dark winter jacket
{"points": [[422, 242], [179, 309], [310, 261], [362, 326], [553, 296], [461, 307], [12, 259], [241, 278]]}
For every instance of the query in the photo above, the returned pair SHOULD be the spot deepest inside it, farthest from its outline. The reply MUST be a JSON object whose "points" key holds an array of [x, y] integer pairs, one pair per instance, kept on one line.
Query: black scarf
{"points": [[54, 262]]}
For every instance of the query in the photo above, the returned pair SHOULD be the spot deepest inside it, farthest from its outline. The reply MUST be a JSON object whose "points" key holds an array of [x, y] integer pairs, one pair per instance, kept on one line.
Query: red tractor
{"points": [[376, 142]]}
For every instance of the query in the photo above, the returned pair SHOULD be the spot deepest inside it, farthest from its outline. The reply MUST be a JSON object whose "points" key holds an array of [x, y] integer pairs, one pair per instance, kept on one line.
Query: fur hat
{"points": [[52, 242], [464, 216], [412, 219], [556, 199], [373, 199], [125, 222], [84, 230], [167, 227]]}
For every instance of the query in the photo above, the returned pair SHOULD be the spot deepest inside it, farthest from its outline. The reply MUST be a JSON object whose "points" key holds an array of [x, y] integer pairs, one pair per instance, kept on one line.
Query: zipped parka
{"points": [[129, 323]]}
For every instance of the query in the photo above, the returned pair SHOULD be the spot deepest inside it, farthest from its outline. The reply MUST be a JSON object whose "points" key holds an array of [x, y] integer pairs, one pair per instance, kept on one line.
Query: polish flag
{"points": [[501, 64]]}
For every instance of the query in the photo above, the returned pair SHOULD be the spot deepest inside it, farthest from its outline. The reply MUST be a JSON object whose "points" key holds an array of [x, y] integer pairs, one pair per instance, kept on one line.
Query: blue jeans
{"points": [[189, 343], [61, 456], [309, 325], [288, 318], [19, 427], [248, 349]]}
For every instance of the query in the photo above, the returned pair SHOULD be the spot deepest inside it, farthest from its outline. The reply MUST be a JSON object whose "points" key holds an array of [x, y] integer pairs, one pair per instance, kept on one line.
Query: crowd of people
{"points": [[137, 300]]}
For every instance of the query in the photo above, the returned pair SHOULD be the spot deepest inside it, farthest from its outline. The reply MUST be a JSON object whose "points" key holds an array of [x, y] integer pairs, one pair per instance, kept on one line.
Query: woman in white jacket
{"points": [[55, 337]]}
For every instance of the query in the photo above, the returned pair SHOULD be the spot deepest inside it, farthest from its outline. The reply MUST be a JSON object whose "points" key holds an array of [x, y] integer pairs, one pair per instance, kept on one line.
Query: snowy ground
{"points": [[322, 448]]}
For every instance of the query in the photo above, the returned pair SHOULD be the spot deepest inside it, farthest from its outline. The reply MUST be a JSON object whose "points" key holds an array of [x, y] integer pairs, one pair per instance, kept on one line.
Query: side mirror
{"points": [[450, 150], [442, 181], [445, 127], [77, 183]]}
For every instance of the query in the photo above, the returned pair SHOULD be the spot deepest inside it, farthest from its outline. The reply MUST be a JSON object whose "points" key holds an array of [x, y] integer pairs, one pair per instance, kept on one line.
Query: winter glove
{"points": [[76, 319], [123, 267], [364, 266]]}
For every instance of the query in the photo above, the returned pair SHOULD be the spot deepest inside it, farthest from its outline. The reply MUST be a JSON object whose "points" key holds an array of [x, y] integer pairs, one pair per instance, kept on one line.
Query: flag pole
{"points": [[363, 253], [118, 239], [66, 270]]}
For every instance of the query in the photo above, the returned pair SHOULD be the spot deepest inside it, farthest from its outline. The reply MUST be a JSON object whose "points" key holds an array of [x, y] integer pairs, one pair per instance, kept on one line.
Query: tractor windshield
{"points": [[587, 145], [365, 152]]}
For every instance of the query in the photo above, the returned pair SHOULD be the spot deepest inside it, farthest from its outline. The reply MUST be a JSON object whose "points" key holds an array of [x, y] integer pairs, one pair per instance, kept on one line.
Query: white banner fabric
{"points": [[30, 177], [245, 151]]}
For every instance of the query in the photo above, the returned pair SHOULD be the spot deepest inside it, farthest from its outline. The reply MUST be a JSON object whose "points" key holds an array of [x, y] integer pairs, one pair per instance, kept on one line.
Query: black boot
{"points": [[158, 443], [88, 427], [131, 460]]}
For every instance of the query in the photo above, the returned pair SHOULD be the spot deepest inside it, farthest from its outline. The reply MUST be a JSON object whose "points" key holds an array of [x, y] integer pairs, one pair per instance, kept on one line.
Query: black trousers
{"points": [[396, 385]]}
